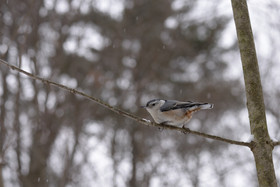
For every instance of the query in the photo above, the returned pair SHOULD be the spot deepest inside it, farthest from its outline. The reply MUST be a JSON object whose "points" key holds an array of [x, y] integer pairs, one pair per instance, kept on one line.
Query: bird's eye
{"points": [[153, 104]]}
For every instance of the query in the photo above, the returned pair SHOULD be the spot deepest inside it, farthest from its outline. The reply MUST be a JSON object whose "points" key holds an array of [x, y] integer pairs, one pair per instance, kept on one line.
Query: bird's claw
{"points": [[162, 128], [186, 130]]}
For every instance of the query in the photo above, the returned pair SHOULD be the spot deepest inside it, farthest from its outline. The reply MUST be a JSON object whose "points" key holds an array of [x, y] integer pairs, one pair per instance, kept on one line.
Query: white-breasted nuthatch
{"points": [[174, 112]]}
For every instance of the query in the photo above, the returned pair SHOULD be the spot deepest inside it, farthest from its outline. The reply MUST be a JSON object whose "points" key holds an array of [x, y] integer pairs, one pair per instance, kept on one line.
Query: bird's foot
{"points": [[162, 127], [186, 129]]}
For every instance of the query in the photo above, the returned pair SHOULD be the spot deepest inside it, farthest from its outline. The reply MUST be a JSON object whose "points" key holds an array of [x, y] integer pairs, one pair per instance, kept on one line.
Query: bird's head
{"points": [[154, 104]]}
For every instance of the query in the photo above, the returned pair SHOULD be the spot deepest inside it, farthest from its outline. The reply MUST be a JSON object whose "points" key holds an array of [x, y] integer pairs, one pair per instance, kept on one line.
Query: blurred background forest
{"points": [[127, 52]]}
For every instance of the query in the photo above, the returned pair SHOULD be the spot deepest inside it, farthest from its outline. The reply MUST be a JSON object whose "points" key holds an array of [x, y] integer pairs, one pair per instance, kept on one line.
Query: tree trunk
{"points": [[133, 180], [1, 176], [263, 147], [2, 125]]}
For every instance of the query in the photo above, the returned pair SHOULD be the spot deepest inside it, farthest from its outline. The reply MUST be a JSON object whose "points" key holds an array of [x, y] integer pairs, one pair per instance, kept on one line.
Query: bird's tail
{"points": [[206, 106]]}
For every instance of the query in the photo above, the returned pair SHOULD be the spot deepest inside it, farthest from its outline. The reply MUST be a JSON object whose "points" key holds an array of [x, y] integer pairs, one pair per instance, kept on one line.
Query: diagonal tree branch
{"points": [[126, 114]]}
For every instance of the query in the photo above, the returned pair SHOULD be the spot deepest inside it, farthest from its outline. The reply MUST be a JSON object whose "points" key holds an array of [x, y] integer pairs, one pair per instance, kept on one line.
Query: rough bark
{"points": [[2, 126], [263, 146]]}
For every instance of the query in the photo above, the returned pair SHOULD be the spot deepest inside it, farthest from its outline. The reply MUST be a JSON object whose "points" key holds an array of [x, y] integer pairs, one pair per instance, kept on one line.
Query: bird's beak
{"points": [[143, 106]]}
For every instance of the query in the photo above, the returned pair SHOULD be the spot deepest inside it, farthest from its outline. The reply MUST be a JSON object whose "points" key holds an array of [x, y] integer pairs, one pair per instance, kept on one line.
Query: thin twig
{"points": [[276, 143], [124, 113], [213, 137]]}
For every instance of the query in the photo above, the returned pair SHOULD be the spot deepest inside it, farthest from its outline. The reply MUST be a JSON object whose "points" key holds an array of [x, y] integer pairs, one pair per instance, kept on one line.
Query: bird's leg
{"points": [[184, 127], [163, 123]]}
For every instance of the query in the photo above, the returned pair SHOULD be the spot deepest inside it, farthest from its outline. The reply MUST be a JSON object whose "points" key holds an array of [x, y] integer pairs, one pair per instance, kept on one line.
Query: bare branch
{"points": [[276, 143], [126, 114], [213, 137]]}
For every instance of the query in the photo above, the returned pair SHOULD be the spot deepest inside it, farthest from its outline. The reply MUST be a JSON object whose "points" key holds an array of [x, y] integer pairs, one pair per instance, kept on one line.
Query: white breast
{"points": [[173, 117]]}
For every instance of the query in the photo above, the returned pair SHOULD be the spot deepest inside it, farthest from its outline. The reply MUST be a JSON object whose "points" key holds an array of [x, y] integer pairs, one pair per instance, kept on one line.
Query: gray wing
{"points": [[173, 105]]}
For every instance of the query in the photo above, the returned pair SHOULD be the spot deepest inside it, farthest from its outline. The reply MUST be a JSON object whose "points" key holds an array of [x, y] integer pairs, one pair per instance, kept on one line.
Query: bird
{"points": [[172, 112]]}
